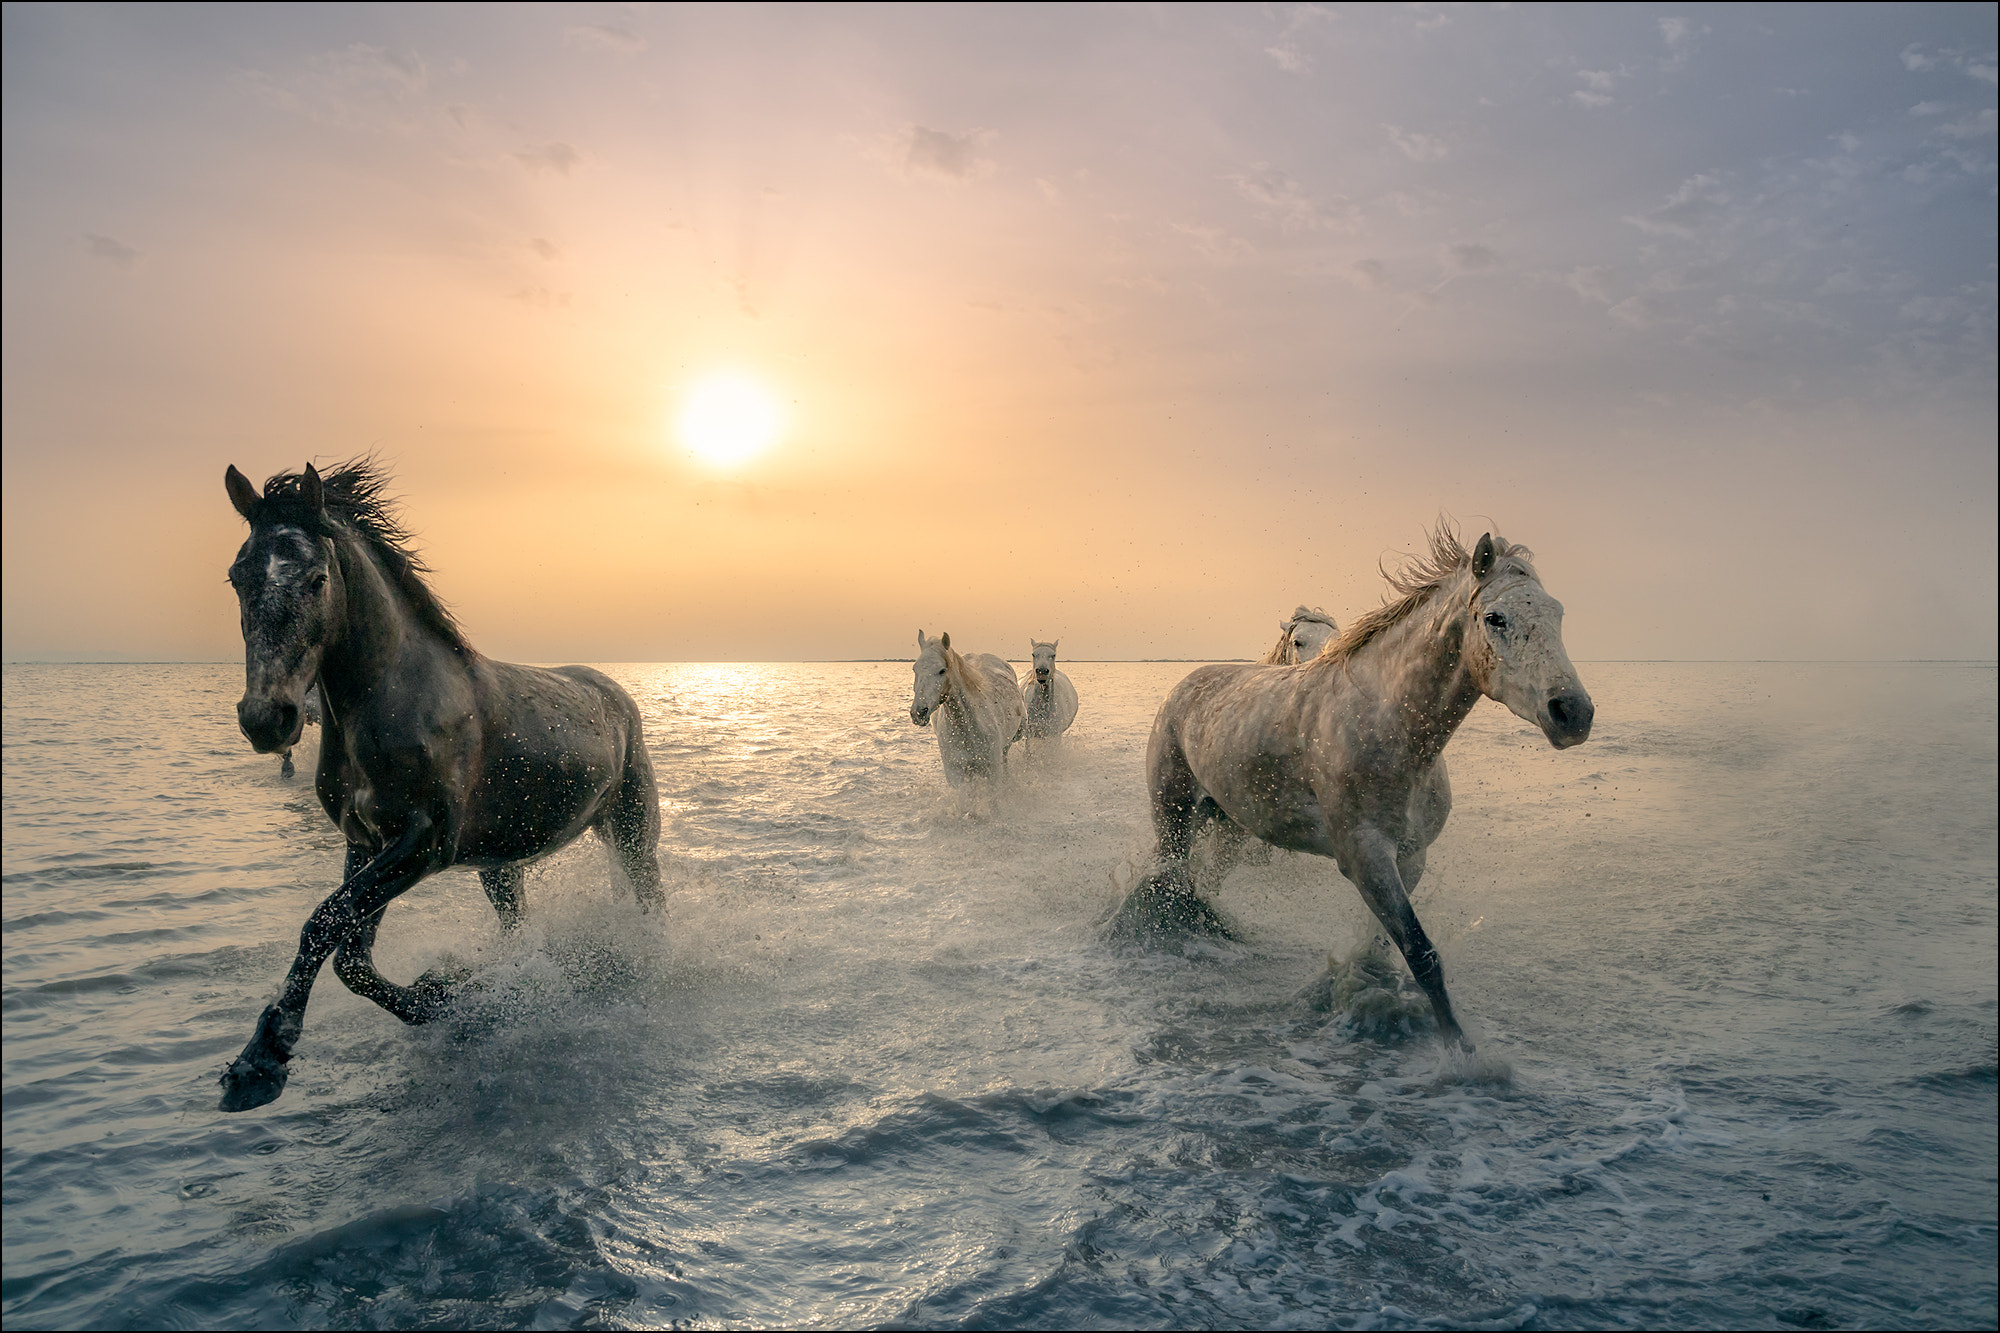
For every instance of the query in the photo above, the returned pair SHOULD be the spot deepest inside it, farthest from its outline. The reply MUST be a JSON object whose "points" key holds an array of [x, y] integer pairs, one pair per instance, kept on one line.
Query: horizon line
{"points": [[854, 661]]}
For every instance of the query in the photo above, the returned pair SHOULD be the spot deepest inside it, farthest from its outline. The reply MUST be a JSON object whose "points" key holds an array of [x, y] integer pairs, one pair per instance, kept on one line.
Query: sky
{"points": [[1134, 326]]}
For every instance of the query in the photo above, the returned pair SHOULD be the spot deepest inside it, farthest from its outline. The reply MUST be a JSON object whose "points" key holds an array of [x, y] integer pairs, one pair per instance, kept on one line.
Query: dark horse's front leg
{"points": [[258, 1075]]}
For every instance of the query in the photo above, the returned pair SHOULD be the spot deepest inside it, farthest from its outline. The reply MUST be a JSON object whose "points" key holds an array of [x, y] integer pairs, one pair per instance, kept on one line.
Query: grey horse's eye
{"points": [[1497, 621]]}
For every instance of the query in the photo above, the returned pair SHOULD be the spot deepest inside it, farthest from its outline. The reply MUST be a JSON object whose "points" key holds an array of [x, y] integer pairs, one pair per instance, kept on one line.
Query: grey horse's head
{"points": [[1515, 648], [1044, 657], [933, 681]]}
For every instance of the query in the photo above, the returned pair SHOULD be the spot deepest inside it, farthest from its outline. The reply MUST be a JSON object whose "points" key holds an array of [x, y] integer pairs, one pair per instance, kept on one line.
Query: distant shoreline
{"points": [[1093, 661]]}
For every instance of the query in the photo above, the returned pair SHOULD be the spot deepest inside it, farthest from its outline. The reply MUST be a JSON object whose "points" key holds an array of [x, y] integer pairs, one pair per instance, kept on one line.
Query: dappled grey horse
{"points": [[430, 754], [1336, 757], [1050, 697]]}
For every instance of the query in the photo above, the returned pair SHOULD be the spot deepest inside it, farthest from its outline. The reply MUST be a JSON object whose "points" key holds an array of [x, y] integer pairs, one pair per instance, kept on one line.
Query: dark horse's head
{"points": [[288, 590]]}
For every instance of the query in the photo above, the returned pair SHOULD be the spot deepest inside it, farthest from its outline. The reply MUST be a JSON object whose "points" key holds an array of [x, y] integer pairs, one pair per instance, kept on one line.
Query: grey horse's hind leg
{"points": [[1167, 904], [503, 890]]}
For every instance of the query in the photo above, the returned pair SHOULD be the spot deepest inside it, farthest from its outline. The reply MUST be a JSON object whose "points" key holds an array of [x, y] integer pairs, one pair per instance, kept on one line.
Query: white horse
{"points": [[1050, 696], [1301, 638], [1333, 757], [979, 707]]}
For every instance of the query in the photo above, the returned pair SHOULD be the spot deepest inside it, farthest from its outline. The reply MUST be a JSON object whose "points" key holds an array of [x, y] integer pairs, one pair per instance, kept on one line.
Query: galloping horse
{"points": [[431, 755], [1301, 638], [1050, 697], [979, 707], [1333, 757]]}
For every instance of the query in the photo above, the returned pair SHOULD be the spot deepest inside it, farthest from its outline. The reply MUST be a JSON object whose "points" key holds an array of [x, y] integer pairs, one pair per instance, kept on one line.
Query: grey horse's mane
{"points": [[1315, 614], [356, 501], [1419, 577]]}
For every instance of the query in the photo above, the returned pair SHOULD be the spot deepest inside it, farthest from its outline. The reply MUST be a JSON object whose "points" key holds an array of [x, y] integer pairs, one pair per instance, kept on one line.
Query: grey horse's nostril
{"points": [[1571, 713]]}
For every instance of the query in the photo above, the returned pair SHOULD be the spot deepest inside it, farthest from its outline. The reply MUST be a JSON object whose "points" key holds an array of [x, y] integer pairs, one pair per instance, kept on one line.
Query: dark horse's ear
{"points": [[241, 493], [1482, 557], [309, 486], [944, 640]]}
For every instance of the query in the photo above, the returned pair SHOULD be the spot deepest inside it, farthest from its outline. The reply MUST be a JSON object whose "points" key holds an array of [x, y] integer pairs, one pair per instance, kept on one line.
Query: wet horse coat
{"points": [[1335, 757], [977, 706], [1050, 696], [431, 754]]}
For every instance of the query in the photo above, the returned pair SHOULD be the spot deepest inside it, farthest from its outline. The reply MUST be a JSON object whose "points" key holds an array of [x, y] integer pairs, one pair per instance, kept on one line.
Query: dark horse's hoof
{"points": [[257, 1077], [1162, 909], [431, 994]]}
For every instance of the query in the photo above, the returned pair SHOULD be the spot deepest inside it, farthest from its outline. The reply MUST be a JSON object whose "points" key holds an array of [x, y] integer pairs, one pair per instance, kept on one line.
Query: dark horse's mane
{"points": [[356, 504]]}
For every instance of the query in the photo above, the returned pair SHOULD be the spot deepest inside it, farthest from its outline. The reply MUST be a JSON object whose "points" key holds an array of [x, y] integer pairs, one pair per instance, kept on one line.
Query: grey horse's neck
{"points": [[1419, 665]]}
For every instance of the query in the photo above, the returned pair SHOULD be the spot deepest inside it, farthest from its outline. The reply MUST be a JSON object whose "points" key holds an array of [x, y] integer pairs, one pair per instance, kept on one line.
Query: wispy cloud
{"points": [[1417, 146], [600, 37], [952, 156], [1597, 86], [557, 157], [110, 249], [1699, 201], [1284, 202]]}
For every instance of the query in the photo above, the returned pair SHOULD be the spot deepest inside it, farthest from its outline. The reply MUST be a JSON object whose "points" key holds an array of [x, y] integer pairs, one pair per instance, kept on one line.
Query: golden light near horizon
{"points": [[728, 418]]}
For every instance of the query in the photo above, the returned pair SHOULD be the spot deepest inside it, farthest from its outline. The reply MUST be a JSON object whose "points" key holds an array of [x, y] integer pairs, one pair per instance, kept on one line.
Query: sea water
{"points": [[1730, 967]]}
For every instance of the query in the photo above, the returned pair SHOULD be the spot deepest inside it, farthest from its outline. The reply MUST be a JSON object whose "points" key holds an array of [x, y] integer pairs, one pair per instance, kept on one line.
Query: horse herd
{"points": [[434, 755]]}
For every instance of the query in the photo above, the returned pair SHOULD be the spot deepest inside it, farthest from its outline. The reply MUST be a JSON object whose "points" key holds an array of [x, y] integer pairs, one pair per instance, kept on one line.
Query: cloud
{"points": [[1286, 51], [1592, 283], [1283, 201], [936, 153], [546, 249], [362, 64], [1370, 272], [1979, 125], [1914, 59], [1698, 202], [1927, 109], [110, 250], [1466, 257], [1416, 146], [1597, 85], [1214, 242], [557, 157], [598, 37], [1679, 34], [1986, 71]]}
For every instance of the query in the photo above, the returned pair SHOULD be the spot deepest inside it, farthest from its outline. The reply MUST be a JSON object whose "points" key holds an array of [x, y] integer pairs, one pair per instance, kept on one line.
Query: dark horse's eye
{"points": [[316, 582], [1496, 620]]}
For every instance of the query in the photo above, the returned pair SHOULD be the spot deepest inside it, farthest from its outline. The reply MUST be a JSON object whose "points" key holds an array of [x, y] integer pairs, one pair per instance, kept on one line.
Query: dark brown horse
{"points": [[431, 755]]}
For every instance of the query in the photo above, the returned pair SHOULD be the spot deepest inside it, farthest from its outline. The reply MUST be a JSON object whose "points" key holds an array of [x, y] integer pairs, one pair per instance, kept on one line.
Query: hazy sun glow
{"points": [[728, 418]]}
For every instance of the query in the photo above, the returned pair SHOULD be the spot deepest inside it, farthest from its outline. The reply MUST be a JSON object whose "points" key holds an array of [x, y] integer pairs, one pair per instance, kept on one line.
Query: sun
{"points": [[728, 418]]}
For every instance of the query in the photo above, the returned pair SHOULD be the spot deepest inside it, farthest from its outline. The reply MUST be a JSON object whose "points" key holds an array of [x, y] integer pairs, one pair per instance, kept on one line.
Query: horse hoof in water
{"points": [[1162, 908], [257, 1077], [434, 993]]}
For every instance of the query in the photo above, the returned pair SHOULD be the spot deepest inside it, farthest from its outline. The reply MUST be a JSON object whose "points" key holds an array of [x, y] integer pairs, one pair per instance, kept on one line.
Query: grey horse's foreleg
{"points": [[1372, 866], [257, 1076]]}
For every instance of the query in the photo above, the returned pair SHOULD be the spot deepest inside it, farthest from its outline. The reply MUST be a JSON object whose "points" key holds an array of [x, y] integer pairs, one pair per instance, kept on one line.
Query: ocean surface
{"points": [[1731, 967]]}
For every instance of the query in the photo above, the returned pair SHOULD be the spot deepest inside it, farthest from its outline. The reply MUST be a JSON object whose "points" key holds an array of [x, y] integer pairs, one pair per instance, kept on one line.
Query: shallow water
{"points": [[1731, 967]]}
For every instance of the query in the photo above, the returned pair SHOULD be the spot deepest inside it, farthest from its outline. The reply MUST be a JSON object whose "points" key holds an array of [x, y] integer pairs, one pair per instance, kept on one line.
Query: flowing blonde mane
{"points": [[1418, 578]]}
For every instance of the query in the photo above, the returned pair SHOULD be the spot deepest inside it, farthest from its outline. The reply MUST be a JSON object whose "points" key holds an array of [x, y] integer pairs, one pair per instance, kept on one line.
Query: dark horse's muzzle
{"points": [[270, 724]]}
